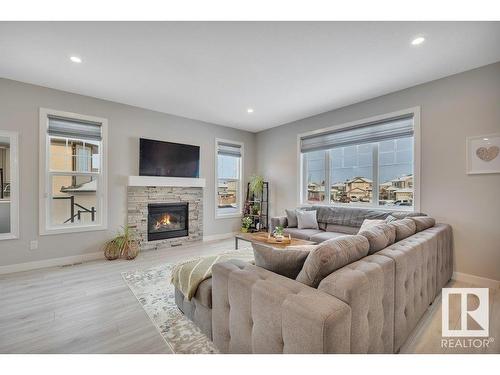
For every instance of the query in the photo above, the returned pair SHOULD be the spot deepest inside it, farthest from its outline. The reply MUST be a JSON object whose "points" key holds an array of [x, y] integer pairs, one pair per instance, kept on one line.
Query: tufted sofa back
{"points": [[423, 265]]}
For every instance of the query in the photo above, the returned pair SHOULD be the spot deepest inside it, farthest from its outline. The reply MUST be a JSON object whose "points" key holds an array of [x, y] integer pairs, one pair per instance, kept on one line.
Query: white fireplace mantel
{"points": [[165, 181]]}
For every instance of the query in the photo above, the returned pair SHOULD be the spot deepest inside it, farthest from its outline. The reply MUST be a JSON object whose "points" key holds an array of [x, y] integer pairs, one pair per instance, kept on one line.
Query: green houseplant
{"points": [[245, 224], [124, 244], [278, 233], [256, 185], [256, 208]]}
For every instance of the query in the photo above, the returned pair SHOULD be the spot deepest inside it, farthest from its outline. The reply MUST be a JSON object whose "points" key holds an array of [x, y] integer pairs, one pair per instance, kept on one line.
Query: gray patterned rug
{"points": [[153, 290]]}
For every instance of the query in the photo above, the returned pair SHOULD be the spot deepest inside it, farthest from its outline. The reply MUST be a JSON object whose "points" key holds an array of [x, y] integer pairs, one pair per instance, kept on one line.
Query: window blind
{"points": [[61, 127], [366, 133], [229, 149]]}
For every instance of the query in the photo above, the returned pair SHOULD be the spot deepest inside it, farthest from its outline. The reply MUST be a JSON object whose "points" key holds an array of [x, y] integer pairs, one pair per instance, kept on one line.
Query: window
{"points": [[229, 164], [9, 186], [72, 174], [366, 164]]}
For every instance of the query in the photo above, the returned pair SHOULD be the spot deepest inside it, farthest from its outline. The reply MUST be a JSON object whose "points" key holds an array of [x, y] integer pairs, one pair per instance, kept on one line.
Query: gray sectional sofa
{"points": [[368, 306]]}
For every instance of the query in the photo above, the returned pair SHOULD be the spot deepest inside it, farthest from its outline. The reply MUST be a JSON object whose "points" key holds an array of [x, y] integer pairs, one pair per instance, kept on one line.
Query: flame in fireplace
{"points": [[164, 221]]}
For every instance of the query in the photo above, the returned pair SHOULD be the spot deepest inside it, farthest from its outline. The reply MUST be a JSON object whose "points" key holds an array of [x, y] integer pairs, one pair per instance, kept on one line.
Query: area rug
{"points": [[155, 292]]}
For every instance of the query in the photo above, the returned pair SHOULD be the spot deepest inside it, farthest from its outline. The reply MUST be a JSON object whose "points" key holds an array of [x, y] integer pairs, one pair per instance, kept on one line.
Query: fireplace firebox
{"points": [[167, 220]]}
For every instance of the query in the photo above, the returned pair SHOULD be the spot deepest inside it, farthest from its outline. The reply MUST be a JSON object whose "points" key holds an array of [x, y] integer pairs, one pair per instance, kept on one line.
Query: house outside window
{"points": [[371, 163], [72, 172], [228, 169]]}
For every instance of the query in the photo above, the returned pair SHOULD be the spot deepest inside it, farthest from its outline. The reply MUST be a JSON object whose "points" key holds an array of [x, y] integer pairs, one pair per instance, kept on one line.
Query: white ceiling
{"points": [[214, 71]]}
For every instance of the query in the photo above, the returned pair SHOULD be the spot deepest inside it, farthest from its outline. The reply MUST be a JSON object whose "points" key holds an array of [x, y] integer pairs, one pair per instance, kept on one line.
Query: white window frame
{"points": [[415, 111], [14, 185], [218, 215], [45, 227]]}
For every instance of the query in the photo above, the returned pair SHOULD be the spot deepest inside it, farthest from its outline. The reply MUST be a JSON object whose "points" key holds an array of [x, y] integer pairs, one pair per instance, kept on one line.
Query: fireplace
{"points": [[167, 220]]}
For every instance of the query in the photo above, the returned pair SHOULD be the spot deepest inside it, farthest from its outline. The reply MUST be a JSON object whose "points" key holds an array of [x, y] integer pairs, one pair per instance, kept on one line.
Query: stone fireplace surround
{"points": [[142, 191]]}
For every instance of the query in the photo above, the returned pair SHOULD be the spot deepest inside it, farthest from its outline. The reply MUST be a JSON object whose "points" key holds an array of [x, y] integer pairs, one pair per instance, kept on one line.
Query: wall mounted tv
{"points": [[168, 159]]}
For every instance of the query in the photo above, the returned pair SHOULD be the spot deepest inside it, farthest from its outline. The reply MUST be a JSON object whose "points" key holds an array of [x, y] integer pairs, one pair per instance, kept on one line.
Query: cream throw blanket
{"points": [[188, 275]]}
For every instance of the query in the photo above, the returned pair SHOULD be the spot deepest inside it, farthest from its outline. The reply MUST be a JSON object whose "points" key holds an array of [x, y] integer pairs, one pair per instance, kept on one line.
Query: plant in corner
{"points": [[256, 185], [245, 224], [124, 244]]}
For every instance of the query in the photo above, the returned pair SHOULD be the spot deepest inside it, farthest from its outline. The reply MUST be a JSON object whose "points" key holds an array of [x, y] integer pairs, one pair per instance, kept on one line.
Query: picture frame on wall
{"points": [[483, 154]]}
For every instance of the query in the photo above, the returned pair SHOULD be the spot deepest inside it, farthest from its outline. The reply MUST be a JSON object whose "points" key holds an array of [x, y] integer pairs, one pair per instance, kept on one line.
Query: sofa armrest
{"points": [[367, 286], [278, 221], [258, 311]]}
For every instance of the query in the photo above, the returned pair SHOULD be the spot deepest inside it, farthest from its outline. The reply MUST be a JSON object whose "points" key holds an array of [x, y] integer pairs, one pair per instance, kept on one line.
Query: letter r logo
{"points": [[473, 320]]}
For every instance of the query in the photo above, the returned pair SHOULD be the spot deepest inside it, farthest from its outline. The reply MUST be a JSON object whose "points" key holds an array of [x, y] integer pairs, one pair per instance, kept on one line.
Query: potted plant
{"points": [[245, 224], [256, 209], [124, 244], [256, 185], [278, 233]]}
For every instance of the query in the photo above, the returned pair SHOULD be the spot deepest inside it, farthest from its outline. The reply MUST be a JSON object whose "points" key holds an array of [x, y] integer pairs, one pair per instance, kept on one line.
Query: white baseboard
{"points": [[476, 280], [217, 237], [64, 261]]}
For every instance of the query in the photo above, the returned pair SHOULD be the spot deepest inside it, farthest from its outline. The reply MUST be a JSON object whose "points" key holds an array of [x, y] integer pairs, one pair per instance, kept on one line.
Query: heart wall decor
{"points": [[487, 153]]}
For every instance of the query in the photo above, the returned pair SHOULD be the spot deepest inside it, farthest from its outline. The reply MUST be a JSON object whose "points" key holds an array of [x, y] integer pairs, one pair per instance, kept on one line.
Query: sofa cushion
{"points": [[330, 256], [303, 234], [379, 236], [340, 228], [285, 262], [353, 217], [307, 220], [423, 222], [368, 223], [404, 228], [324, 236], [291, 217]]}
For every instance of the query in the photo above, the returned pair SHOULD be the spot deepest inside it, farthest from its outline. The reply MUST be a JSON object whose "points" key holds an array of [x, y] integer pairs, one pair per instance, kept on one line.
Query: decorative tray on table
{"points": [[285, 239]]}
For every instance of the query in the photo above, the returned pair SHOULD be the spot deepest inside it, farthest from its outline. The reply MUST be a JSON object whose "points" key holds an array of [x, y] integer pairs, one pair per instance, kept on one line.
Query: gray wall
{"points": [[452, 108], [19, 111]]}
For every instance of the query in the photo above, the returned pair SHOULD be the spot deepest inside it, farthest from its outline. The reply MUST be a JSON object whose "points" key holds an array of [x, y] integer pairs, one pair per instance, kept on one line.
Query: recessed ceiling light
{"points": [[418, 40], [485, 139], [249, 110], [76, 59]]}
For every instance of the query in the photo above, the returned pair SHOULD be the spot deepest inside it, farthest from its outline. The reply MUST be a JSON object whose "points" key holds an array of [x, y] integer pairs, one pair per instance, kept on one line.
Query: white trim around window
{"points": [[45, 226], [414, 111], [14, 185], [218, 214]]}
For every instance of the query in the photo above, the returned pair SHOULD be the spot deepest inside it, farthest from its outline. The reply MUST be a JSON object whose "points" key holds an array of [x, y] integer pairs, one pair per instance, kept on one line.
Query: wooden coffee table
{"points": [[261, 237]]}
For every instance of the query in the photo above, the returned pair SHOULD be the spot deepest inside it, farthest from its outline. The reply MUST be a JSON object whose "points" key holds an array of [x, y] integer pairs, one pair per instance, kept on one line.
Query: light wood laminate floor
{"points": [[88, 308]]}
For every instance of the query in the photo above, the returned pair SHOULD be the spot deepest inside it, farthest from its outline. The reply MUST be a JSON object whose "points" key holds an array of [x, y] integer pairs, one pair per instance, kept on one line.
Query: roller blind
{"points": [[366, 133], [229, 149], [62, 127]]}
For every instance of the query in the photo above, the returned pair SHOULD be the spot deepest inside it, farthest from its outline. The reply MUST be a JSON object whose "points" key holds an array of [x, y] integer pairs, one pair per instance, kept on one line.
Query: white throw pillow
{"points": [[368, 223], [307, 220]]}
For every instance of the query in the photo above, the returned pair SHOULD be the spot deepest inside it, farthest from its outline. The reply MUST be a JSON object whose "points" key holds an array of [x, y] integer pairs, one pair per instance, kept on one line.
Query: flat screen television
{"points": [[168, 159]]}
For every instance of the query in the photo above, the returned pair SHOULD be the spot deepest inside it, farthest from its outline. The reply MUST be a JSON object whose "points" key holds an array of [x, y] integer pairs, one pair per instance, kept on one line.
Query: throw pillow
{"points": [[404, 228], [291, 217], [331, 255], [286, 262], [423, 222], [368, 223], [379, 236], [390, 219], [307, 220]]}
